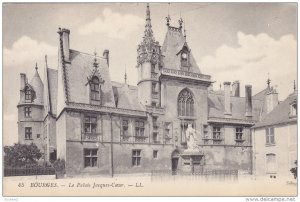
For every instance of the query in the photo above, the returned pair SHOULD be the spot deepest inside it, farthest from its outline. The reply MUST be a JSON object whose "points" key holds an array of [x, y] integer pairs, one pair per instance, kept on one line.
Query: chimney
{"points": [[272, 100], [64, 43], [227, 102], [236, 89], [248, 100], [106, 56], [23, 81]]}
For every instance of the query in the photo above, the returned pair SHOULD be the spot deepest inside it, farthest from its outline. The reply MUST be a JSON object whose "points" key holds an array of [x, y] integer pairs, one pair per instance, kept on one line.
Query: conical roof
{"points": [[38, 87]]}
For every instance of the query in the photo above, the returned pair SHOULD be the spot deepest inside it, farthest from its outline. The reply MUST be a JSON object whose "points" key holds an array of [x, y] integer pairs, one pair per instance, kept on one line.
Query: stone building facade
{"points": [[104, 127]]}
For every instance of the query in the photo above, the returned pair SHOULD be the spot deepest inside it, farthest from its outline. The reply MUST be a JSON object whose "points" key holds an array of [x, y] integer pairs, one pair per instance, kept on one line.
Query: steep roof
{"points": [[79, 71], [174, 42], [280, 114], [126, 96], [261, 95], [216, 106], [38, 86]]}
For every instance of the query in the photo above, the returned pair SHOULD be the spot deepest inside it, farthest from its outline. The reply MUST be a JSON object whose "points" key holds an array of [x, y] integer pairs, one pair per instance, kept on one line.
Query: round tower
{"points": [[148, 60], [30, 111]]}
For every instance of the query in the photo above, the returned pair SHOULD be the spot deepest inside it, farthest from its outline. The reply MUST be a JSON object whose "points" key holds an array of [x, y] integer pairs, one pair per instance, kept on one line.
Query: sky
{"points": [[230, 41]]}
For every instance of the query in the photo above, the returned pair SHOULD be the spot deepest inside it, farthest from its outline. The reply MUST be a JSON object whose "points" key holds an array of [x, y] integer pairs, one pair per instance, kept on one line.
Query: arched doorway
{"points": [[174, 161]]}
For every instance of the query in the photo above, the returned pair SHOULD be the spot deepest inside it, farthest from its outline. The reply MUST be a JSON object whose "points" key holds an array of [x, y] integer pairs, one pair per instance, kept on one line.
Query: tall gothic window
{"points": [[95, 89], [185, 103]]}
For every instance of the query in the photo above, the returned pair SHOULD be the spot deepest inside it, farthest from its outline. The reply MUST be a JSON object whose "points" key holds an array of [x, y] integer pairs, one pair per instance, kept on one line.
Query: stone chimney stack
{"points": [[64, 43], [22, 81], [248, 100], [106, 56], [272, 100], [227, 101], [236, 88]]}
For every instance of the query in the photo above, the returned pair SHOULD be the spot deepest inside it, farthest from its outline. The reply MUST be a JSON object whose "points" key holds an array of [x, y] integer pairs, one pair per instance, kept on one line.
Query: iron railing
{"points": [[29, 171]]}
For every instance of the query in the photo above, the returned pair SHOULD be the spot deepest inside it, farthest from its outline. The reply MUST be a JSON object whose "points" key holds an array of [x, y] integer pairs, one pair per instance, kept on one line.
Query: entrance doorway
{"points": [[174, 161]]}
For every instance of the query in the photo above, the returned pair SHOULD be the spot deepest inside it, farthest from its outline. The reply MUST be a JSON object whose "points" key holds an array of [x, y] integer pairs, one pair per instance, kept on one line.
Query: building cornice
{"points": [[231, 121], [105, 109], [283, 123], [30, 104], [184, 75]]}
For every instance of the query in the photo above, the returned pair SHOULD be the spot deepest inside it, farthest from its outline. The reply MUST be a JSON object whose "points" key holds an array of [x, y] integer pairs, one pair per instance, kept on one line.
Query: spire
{"points": [[148, 27], [148, 49]]}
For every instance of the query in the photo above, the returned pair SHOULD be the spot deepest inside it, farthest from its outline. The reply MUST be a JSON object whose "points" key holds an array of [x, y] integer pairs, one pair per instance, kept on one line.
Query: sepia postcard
{"points": [[150, 99]]}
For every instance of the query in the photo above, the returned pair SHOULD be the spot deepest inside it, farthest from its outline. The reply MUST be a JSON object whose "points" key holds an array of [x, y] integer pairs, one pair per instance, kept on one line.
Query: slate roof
{"points": [[38, 86], [280, 113], [173, 44], [126, 96], [260, 95], [80, 70], [216, 106]]}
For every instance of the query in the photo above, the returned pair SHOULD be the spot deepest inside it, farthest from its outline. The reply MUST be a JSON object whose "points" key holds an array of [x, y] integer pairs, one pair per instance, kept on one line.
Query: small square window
{"points": [[155, 154], [90, 157], [28, 133], [27, 111], [38, 135], [136, 157]]}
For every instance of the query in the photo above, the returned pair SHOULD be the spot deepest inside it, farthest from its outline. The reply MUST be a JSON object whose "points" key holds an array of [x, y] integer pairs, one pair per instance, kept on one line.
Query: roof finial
{"points": [[125, 76], [294, 86], [46, 61], [168, 17], [180, 23], [184, 30], [95, 64], [148, 12], [36, 67], [268, 81]]}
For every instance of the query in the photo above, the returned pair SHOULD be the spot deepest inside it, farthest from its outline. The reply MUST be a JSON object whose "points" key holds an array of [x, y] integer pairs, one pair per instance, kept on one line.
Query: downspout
{"points": [[111, 147]]}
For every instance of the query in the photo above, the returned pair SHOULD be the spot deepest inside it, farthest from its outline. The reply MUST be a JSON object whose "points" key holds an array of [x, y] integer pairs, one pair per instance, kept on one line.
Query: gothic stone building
{"points": [[103, 127]]}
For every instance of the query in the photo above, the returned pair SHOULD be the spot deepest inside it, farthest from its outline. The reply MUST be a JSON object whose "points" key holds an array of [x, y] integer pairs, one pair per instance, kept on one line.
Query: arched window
{"points": [[28, 95], [185, 103], [95, 89]]}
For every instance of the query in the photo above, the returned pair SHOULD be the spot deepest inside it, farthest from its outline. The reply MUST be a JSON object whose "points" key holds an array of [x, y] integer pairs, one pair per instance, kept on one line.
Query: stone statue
{"points": [[190, 137]]}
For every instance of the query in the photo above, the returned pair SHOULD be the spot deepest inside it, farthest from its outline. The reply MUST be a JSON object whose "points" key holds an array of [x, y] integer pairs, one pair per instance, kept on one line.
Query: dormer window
{"points": [[185, 61], [293, 109], [95, 89], [28, 95]]}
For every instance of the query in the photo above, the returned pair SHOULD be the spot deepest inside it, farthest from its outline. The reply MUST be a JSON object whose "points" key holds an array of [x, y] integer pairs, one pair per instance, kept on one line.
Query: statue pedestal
{"points": [[193, 161]]}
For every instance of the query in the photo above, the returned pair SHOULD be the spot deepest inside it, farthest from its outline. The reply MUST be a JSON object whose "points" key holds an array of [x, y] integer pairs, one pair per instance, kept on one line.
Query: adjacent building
{"points": [[275, 137]]}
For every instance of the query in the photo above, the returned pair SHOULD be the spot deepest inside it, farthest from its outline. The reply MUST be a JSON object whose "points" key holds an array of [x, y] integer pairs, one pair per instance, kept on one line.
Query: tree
{"points": [[20, 155], [294, 170]]}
